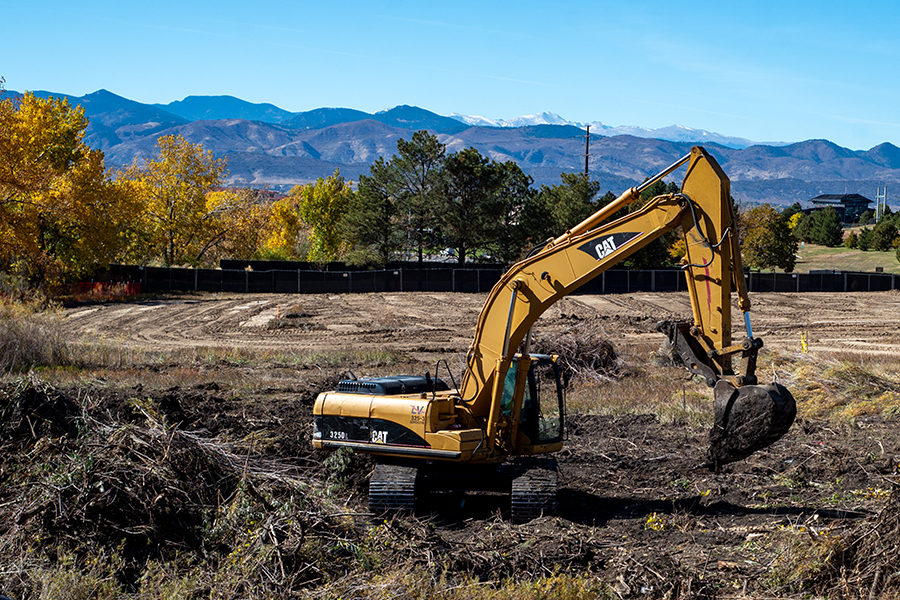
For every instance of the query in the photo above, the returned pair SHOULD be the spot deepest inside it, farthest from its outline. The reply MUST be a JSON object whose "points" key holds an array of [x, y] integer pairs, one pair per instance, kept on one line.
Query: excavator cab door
{"points": [[542, 418], [548, 413]]}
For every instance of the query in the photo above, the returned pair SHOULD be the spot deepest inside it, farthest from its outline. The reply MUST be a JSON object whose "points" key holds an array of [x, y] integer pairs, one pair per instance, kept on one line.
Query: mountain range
{"points": [[266, 145]]}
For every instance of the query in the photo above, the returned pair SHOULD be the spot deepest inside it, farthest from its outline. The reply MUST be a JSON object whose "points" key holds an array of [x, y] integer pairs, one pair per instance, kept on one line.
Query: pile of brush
{"points": [[864, 562], [83, 494], [585, 355]]}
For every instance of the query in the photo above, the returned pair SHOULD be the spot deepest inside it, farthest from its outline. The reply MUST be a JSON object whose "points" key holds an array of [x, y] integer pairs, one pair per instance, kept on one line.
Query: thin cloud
{"points": [[854, 120], [459, 27]]}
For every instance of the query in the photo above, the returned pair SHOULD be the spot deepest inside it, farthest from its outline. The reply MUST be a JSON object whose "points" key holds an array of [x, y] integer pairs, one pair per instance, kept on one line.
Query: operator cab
{"points": [[542, 419]]}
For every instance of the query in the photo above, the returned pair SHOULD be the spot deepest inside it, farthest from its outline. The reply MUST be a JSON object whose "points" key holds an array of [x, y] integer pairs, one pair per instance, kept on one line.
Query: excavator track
{"points": [[534, 491], [393, 488]]}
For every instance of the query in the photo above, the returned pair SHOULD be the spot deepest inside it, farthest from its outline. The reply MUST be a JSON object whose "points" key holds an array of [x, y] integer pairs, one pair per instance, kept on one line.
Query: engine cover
{"points": [[391, 386]]}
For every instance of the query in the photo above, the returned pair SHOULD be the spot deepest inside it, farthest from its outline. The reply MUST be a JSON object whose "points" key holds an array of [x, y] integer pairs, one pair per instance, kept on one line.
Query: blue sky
{"points": [[767, 71]]}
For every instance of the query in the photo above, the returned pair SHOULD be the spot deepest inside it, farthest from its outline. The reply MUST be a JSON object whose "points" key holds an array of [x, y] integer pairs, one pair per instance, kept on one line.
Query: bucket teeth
{"points": [[748, 419]]}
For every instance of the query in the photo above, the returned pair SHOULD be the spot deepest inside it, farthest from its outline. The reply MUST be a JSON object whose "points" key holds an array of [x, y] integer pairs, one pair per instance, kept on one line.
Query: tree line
{"points": [[423, 199], [771, 238], [63, 215]]}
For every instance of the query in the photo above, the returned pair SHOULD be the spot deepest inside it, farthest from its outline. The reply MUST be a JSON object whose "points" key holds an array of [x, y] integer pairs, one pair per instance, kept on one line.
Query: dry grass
{"points": [[102, 354], [409, 583], [646, 383], [91, 362], [29, 336], [671, 398], [843, 387]]}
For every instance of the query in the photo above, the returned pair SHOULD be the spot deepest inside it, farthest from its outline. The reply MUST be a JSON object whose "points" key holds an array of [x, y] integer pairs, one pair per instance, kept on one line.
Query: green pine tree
{"points": [[825, 227]]}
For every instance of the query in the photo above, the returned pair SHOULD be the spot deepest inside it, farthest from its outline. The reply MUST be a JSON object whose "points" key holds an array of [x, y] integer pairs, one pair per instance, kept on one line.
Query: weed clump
{"points": [[859, 563], [872, 552]]}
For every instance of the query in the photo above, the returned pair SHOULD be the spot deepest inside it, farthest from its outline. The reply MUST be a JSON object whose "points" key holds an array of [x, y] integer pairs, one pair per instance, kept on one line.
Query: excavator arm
{"points": [[703, 210]]}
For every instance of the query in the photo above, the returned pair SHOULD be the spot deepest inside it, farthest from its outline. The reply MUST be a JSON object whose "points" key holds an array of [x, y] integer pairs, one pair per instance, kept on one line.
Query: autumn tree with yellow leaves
{"points": [[287, 237], [307, 223], [239, 224], [185, 217], [61, 216], [322, 207], [172, 187]]}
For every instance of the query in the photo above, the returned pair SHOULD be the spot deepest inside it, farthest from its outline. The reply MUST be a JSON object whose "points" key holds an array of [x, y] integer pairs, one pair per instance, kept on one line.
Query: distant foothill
{"points": [[266, 145]]}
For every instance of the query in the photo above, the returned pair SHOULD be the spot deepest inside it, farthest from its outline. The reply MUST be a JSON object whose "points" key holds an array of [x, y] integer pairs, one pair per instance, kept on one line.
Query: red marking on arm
{"points": [[708, 295]]}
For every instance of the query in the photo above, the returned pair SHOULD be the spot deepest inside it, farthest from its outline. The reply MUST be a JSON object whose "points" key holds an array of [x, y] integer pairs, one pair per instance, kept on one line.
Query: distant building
{"points": [[849, 207]]}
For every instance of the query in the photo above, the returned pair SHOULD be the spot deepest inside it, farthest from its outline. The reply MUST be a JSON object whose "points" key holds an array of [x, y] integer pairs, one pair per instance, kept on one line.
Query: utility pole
{"points": [[587, 149], [880, 202]]}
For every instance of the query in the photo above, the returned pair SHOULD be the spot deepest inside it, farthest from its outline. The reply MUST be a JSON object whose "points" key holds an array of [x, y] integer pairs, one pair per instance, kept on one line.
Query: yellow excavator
{"points": [[495, 430]]}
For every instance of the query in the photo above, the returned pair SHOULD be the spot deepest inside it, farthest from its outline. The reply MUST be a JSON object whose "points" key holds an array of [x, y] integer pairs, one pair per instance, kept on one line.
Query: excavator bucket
{"points": [[747, 419]]}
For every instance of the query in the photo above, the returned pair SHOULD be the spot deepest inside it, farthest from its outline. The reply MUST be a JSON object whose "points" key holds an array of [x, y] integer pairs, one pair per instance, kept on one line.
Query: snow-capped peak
{"points": [[674, 133], [544, 118], [475, 121]]}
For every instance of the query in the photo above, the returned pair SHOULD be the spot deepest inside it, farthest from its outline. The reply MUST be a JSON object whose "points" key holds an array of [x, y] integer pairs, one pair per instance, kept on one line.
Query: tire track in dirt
{"points": [[352, 321], [422, 322]]}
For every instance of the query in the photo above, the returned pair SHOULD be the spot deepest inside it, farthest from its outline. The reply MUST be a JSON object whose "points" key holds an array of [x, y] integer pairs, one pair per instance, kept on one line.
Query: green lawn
{"points": [[811, 257]]}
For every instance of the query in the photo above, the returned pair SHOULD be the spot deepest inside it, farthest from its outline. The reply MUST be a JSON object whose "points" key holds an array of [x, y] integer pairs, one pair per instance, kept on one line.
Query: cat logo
{"points": [[603, 247]]}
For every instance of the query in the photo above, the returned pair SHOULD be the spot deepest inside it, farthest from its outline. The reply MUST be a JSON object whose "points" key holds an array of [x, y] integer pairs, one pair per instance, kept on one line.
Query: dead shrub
{"points": [[30, 410], [77, 484], [867, 565], [585, 355]]}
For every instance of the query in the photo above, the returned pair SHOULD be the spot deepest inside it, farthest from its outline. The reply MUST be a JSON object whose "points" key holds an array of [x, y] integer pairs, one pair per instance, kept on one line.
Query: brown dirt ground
{"points": [[425, 324], [633, 503]]}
